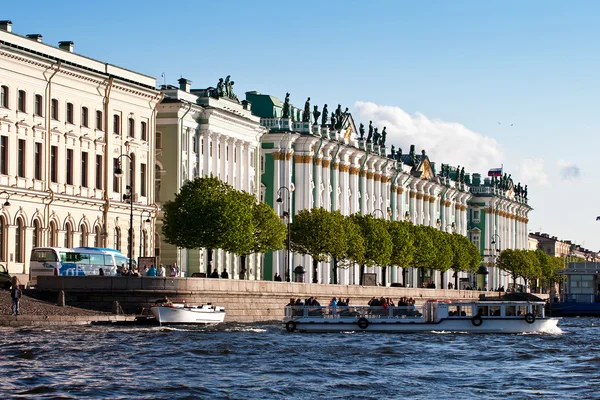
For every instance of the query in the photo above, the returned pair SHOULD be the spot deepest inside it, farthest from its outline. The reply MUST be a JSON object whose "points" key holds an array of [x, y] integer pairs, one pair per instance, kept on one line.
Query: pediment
{"points": [[425, 169]]}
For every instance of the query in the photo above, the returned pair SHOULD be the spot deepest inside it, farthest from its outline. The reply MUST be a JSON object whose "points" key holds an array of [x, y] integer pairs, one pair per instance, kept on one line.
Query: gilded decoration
{"points": [[354, 170], [282, 156], [303, 159], [419, 196], [385, 179], [399, 190], [432, 199], [426, 197], [318, 161], [326, 163], [363, 173], [425, 168], [412, 194], [447, 203], [370, 175], [336, 165], [377, 177], [344, 168]]}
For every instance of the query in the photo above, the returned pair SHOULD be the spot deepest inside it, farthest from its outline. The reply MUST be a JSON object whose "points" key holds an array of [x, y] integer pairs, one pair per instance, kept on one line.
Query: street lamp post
{"points": [[498, 251], [142, 226], [128, 196], [286, 214], [452, 227], [375, 212]]}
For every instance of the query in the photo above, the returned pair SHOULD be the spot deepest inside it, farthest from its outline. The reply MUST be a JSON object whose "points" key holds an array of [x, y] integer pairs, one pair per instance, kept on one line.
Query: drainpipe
{"points": [[48, 147], [107, 162]]}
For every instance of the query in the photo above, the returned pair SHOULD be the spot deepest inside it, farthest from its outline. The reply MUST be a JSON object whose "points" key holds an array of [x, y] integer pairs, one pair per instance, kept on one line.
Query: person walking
{"points": [[15, 295]]}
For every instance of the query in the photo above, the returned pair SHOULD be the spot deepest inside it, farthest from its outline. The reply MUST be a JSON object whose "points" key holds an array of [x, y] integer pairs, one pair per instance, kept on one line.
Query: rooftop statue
{"points": [[383, 136], [399, 154], [228, 86], [392, 151], [232, 95], [306, 114], [457, 178], [462, 175], [338, 117], [370, 136], [220, 88], [333, 122], [361, 131], [376, 136], [325, 116], [412, 155], [316, 114], [344, 117], [525, 192], [286, 106]]}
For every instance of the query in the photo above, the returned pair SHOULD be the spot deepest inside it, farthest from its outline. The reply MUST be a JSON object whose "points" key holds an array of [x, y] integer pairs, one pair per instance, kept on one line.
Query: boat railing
{"points": [[414, 312]]}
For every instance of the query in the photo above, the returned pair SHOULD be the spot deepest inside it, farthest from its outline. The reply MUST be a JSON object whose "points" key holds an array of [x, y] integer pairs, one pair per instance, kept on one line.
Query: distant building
{"points": [[555, 247], [65, 120], [329, 165], [201, 132], [498, 217]]}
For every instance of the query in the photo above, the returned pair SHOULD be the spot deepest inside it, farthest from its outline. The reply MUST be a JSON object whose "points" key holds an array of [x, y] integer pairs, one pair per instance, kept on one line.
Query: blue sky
{"points": [[443, 74]]}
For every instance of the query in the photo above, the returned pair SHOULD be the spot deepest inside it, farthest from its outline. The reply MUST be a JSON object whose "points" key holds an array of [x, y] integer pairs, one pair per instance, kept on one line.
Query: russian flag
{"points": [[495, 172]]}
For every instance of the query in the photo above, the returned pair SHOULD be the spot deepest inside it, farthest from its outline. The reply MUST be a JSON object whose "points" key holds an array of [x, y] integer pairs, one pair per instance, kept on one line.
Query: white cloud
{"points": [[568, 170], [444, 142], [532, 172]]}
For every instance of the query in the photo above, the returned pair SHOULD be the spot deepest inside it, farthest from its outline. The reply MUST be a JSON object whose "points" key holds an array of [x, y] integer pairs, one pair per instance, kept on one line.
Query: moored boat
{"points": [[174, 313], [484, 316]]}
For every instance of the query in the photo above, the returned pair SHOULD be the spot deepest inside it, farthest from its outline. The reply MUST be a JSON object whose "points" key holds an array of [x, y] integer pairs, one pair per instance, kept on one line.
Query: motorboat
{"points": [[483, 316], [175, 313]]}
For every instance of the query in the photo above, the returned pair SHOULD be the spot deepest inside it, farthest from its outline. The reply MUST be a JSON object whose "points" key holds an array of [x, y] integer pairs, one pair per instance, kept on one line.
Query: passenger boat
{"points": [[173, 313], [483, 316]]}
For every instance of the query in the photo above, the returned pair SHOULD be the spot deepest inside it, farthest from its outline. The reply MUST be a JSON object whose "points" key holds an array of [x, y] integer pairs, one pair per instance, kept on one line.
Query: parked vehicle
{"points": [[5, 278]]}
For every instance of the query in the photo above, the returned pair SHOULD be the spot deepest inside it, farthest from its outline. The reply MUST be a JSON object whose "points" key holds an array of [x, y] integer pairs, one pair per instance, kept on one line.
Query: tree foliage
{"points": [[402, 243], [316, 232], [378, 242]]}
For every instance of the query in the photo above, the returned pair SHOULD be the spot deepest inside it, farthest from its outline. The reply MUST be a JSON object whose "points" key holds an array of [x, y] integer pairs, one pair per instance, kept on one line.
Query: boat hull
{"points": [[488, 325], [197, 316]]}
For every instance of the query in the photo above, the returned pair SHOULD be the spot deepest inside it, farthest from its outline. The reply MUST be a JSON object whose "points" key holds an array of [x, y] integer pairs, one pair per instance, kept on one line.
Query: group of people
{"points": [[215, 274], [161, 271], [388, 302]]}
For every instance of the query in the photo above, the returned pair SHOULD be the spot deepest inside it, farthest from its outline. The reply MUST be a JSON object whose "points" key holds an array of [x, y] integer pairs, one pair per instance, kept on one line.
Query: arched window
{"points": [[39, 105], [118, 238], [157, 183], [83, 238], [98, 242], [52, 237], [70, 113], [131, 127], [2, 239], [22, 104], [35, 240], [19, 236], [68, 235]]}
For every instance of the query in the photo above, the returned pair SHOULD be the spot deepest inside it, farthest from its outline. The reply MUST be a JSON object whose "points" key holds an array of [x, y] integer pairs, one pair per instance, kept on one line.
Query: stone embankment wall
{"points": [[244, 301]]}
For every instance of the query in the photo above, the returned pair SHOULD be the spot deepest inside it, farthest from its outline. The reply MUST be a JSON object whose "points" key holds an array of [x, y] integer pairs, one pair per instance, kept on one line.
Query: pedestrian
{"points": [[277, 277], [15, 295], [224, 274], [161, 270], [214, 274]]}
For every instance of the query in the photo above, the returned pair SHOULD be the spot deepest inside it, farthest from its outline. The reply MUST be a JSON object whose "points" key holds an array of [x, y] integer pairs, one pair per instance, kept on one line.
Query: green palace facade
{"points": [[313, 158]]}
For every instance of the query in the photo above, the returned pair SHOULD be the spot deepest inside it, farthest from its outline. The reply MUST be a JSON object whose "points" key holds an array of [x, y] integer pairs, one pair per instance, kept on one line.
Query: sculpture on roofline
{"points": [[306, 114], [286, 106], [338, 117], [412, 155], [462, 175], [316, 114], [228, 86], [525, 192], [370, 135], [232, 95], [399, 154], [392, 151], [383, 136], [325, 116], [376, 136], [220, 88], [333, 122], [361, 131]]}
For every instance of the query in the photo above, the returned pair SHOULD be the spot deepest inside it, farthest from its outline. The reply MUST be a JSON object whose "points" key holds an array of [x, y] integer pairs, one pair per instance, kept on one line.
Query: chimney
{"points": [[35, 36], [6, 25], [66, 45], [184, 84]]}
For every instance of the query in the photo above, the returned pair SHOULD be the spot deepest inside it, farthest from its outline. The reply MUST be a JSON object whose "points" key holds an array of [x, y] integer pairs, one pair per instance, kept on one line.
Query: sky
{"points": [[481, 84]]}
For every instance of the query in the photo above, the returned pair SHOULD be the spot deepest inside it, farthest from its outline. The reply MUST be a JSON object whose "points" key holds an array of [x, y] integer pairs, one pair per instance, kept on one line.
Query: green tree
{"points": [[403, 248], [466, 256], [518, 263], [378, 242], [354, 251], [205, 214], [316, 233], [269, 233], [444, 254], [424, 248]]}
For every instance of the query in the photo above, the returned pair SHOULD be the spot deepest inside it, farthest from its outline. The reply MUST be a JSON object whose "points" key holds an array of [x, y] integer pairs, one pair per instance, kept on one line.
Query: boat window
{"points": [[482, 310], [495, 311], [510, 311], [521, 310], [453, 311]]}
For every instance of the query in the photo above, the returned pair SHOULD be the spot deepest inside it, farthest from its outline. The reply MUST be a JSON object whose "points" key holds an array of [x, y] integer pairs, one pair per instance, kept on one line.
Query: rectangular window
{"points": [[69, 166], [54, 109], [4, 96], [98, 171], [21, 159], [54, 164], [158, 140], [99, 120], [69, 113], [143, 180], [195, 144], [476, 214], [116, 124], [144, 131], [22, 101], [476, 241], [84, 169], [84, 117], [38, 162], [115, 179], [39, 105], [4, 155], [131, 127]]}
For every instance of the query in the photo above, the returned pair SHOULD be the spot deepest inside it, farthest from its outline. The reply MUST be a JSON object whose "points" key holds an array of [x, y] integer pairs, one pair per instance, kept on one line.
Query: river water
{"points": [[263, 361]]}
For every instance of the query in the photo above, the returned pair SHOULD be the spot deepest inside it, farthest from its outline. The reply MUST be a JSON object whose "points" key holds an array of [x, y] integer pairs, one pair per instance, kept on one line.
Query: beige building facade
{"points": [[65, 122]]}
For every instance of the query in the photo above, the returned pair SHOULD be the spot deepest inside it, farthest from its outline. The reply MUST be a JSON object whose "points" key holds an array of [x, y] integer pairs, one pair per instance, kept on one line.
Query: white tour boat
{"points": [[484, 316], [174, 313]]}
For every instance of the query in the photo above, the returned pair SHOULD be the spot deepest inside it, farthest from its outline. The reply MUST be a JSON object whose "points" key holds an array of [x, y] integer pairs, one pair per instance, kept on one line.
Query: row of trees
{"points": [[368, 241], [531, 266], [208, 213]]}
